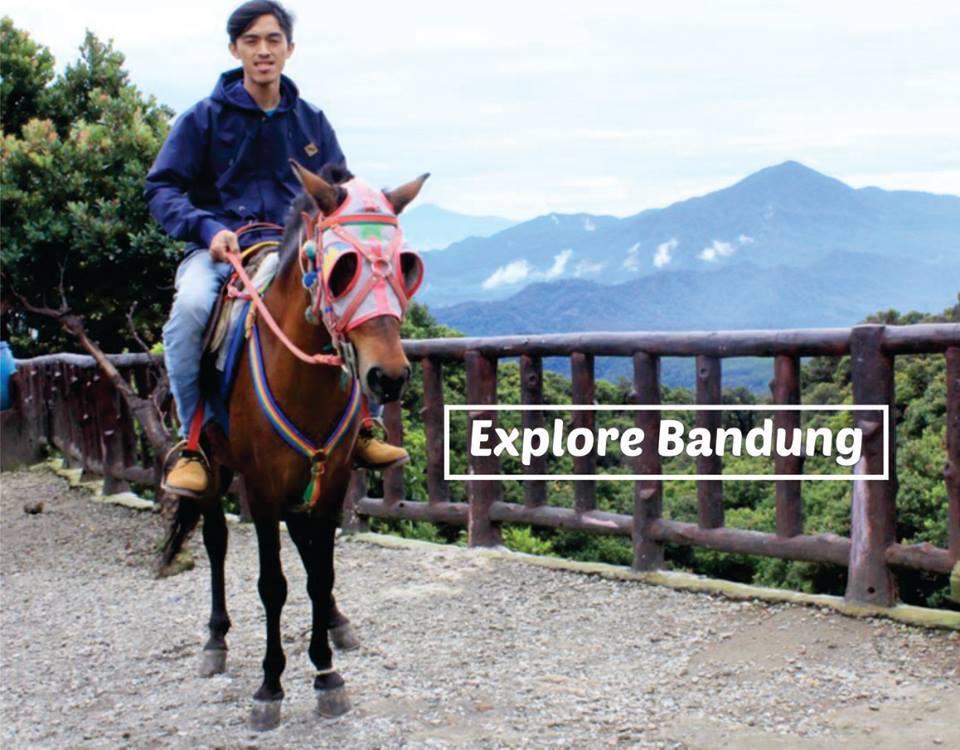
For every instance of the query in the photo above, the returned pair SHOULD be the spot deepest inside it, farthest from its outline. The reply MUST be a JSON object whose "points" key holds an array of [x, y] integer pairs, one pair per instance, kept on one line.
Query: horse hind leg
{"points": [[343, 635], [213, 658]]}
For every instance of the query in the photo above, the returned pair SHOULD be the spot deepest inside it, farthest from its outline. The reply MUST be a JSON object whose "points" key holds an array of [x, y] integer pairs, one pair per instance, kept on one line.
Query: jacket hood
{"points": [[230, 91]]}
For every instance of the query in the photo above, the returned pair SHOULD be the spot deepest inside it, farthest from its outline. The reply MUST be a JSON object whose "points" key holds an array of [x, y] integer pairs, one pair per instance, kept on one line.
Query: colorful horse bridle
{"points": [[356, 267]]}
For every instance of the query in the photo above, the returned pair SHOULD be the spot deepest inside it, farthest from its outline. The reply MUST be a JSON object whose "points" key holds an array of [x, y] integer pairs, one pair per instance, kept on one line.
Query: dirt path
{"points": [[461, 650]]}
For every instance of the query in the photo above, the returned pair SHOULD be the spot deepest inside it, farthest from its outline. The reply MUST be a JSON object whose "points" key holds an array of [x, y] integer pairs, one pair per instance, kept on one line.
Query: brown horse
{"points": [[342, 283]]}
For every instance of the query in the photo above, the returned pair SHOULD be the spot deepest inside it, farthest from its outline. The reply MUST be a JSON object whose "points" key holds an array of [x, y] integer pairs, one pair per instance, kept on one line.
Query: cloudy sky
{"points": [[521, 108]]}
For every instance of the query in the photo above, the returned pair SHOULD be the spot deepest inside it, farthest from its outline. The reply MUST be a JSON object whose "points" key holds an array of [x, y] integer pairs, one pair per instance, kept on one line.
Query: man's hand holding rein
{"points": [[223, 243]]}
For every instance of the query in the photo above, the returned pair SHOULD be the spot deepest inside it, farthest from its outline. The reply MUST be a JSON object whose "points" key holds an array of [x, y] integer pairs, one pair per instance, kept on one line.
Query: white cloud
{"points": [[520, 270], [717, 250], [559, 265], [632, 262], [745, 239], [588, 267], [664, 250], [512, 273], [588, 225]]}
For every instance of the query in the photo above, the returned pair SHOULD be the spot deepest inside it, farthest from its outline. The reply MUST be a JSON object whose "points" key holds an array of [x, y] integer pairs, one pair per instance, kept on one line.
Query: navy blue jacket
{"points": [[225, 162]]}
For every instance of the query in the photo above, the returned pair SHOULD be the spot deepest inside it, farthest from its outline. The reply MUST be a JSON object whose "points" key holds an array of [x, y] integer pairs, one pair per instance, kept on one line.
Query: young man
{"points": [[226, 164]]}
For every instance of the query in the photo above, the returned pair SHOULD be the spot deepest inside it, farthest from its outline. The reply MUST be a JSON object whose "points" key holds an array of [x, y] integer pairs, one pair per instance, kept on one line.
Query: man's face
{"points": [[263, 50]]}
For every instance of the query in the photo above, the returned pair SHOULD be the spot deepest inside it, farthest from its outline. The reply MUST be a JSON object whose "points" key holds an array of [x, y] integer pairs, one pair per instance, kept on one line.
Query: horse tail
{"points": [[172, 558]]}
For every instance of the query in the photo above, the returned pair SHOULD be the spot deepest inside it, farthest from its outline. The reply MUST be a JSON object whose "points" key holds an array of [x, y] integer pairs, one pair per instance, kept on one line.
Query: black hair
{"points": [[246, 15]]}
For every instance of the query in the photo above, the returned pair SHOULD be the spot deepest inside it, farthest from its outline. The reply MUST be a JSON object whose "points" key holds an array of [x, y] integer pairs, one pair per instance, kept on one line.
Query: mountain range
{"points": [[785, 247], [786, 215]]}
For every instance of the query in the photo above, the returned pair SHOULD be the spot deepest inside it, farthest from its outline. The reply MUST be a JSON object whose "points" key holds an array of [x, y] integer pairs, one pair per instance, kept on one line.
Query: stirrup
{"points": [[200, 456], [179, 448]]}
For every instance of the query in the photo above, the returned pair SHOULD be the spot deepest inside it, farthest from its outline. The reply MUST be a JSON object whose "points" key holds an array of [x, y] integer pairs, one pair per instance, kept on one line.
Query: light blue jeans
{"points": [[198, 282]]}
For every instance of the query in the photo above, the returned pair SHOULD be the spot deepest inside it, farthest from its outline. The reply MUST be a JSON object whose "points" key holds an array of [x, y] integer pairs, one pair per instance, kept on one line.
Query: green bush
{"points": [[526, 540]]}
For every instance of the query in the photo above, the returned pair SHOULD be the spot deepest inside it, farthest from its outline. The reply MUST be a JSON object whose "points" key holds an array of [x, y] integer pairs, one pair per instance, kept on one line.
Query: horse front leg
{"points": [[314, 540], [273, 593], [214, 655]]}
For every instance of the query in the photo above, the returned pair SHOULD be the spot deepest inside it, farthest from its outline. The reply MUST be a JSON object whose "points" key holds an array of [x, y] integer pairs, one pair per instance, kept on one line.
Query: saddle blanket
{"points": [[227, 331]]}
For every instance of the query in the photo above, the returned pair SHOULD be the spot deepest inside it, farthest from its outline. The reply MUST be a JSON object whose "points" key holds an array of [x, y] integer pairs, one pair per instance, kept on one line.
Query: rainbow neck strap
{"points": [[316, 455]]}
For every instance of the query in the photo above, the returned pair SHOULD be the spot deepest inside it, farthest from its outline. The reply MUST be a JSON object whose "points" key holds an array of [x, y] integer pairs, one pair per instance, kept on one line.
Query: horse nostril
{"points": [[375, 380]]}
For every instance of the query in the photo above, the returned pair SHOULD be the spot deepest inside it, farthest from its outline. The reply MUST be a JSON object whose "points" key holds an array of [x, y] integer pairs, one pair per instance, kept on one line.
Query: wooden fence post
{"points": [[353, 523], [482, 389], [873, 509], [531, 393], [709, 491], [648, 493], [582, 385], [112, 437], [432, 415], [786, 391], [951, 471], [394, 486]]}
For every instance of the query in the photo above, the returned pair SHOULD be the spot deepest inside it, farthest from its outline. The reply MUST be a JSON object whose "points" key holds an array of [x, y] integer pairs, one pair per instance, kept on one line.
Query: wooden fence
{"points": [[64, 401]]}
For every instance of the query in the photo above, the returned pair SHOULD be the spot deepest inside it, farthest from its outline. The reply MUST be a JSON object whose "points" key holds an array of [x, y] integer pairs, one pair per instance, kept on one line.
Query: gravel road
{"points": [[461, 650]]}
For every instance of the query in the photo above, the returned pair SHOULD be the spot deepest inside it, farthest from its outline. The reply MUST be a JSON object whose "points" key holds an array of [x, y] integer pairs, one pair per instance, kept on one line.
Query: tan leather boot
{"points": [[370, 453], [189, 477]]}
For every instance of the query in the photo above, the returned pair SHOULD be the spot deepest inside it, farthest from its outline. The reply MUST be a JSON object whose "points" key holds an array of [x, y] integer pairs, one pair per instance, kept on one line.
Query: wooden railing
{"points": [[63, 401], [869, 553]]}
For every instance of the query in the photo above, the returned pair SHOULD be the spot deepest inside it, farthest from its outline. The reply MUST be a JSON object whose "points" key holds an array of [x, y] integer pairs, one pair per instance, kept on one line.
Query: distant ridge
{"points": [[429, 227], [786, 247], [784, 215]]}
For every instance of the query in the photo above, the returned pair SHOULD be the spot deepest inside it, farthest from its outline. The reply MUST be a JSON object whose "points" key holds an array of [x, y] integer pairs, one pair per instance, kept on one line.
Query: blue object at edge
{"points": [[7, 367]]}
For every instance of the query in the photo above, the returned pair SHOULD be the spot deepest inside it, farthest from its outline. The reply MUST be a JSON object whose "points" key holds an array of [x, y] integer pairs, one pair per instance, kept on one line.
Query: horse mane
{"points": [[290, 243], [334, 174]]}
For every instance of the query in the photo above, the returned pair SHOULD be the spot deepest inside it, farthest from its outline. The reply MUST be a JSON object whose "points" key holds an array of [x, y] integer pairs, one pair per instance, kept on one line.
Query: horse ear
{"points": [[317, 188], [401, 196]]}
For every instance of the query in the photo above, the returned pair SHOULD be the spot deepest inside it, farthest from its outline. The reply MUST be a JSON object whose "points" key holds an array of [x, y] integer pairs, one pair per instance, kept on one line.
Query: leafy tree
{"points": [[27, 70], [77, 232]]}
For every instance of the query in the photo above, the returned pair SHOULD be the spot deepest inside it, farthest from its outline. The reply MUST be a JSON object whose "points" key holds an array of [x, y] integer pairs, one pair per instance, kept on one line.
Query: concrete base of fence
{"points": [[126, 499], [905, 613]]}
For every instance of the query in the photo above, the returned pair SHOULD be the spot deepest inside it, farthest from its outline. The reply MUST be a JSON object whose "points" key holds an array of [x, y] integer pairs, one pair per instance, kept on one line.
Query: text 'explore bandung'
{"points": [[843, 445]]}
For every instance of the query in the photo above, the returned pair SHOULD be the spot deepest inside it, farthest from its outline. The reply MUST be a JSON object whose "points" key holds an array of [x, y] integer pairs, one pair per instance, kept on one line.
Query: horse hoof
{"points": [[344, 637], [213, 661], [265, 715], [333, 702]]}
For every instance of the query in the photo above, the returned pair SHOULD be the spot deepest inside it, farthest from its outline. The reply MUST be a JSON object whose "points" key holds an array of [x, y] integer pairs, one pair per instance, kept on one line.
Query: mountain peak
{"points": [[792, 175], [792, 183]]}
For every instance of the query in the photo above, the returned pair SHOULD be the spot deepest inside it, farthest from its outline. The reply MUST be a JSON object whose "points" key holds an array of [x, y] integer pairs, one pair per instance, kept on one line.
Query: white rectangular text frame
{"points": [[885, 408]]}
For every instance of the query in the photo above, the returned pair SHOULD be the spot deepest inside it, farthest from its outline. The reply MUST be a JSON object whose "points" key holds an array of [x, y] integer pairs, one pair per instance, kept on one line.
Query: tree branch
{"points": [[143, 409], [131, 326]]}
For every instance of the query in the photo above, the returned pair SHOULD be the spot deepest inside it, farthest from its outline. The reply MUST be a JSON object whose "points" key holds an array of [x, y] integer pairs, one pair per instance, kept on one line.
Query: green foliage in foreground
{"points": [[921, 440]]}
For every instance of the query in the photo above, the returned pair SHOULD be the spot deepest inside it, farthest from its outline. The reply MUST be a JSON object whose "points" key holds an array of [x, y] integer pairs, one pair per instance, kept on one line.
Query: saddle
{"points": [[228, 328]]}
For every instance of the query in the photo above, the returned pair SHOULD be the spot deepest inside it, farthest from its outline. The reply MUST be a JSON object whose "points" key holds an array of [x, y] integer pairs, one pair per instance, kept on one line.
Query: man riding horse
{"points": [[226, 164]]}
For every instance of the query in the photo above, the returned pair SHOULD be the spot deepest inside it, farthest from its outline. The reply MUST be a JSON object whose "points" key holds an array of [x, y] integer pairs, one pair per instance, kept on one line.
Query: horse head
{"points": [[360, 275]]}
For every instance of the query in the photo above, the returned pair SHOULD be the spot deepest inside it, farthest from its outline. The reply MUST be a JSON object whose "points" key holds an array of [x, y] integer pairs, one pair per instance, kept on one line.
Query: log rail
{"points": [[870, 553], [62, 401]]}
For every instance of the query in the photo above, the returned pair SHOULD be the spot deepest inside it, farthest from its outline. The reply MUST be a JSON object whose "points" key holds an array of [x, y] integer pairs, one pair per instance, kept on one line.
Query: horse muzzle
{"points": [[385, 385]]}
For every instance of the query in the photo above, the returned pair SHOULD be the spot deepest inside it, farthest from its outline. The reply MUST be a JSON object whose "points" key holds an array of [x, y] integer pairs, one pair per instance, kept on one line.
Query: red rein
{"points": [[234, 260]]}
